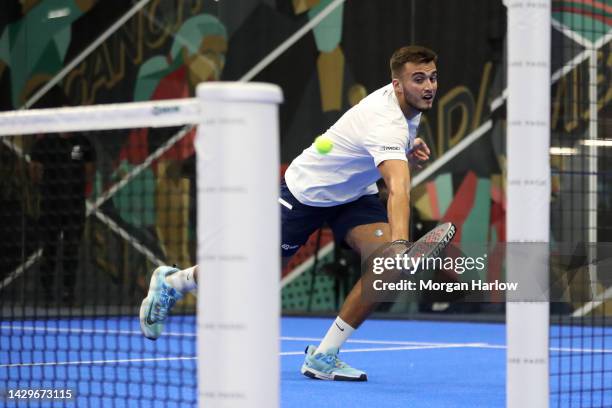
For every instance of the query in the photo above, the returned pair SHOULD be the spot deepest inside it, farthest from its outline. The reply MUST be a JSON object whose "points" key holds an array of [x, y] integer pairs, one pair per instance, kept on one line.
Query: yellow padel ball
{"points": [[323, 144]]}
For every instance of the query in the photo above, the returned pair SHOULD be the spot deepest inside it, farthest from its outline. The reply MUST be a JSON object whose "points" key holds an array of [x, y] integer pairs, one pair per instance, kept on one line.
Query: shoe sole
{"points": [[143, 311], [318, 375], [144, 306]]}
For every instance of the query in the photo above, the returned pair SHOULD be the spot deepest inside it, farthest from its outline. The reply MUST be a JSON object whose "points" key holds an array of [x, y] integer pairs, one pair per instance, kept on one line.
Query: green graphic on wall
{"points": [[35, 46], [591, 20]]}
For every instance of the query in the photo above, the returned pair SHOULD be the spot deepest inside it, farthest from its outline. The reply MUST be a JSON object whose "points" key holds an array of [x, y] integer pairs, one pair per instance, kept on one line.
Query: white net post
{"points": [[528, 196], [237, 149], [592, 194]]}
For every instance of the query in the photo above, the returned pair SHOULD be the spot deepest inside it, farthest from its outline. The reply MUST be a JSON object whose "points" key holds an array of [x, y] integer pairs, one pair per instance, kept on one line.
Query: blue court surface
{"points": [[106, 362]]}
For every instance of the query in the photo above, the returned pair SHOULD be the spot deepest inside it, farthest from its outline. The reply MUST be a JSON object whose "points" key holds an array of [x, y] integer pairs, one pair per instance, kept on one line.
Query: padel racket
{"points": [[429, 245], [392, 263], [433, 243]]}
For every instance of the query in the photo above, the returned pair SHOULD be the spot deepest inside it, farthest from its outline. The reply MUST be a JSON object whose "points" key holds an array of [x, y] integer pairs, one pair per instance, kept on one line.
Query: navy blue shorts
{"points": [[300, 221]]}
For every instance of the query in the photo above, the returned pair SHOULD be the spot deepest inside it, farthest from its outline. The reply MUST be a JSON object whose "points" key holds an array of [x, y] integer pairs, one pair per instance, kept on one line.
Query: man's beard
{"points": [[419, 108]]}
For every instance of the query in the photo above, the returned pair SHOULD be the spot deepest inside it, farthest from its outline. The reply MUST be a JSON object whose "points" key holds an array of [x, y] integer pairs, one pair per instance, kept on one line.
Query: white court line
{"points": [[562, 349], [391, 342], [154, 359], [402, 344], [124, 360], [376, 349], [68, 330], [581, 350], [288, 353], [295, 353], [78, 330]]}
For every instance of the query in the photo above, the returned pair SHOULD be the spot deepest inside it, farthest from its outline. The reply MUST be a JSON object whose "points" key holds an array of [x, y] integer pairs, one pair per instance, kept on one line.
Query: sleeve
{"points": [[387, 140]]}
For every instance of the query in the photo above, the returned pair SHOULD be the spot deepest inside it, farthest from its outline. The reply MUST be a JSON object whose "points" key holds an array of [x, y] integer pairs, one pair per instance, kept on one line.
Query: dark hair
{"points": [[411, 53]]}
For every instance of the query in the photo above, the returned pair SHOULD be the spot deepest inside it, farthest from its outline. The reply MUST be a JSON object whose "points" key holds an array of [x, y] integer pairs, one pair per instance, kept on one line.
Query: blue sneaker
{"points": [[160, 299], [329, 367]]}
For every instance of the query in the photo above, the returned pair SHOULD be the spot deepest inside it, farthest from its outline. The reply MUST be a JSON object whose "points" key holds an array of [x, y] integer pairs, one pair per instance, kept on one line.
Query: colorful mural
{"points": [[590, 19], [145, 187], [34, 47]]}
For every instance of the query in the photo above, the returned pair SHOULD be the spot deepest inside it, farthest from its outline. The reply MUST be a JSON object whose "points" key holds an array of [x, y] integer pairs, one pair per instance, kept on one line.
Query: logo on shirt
{"points": [[76, 153], [391, 148], [287, 246]]}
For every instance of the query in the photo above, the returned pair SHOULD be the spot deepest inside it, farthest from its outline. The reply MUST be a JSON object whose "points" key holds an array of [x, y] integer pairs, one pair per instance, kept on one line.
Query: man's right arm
{"points": [[397, 178]]}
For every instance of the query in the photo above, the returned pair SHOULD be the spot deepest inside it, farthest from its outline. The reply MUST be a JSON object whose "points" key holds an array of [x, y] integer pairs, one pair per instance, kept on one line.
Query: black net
{"points": [[581, 147], [85, 219]]}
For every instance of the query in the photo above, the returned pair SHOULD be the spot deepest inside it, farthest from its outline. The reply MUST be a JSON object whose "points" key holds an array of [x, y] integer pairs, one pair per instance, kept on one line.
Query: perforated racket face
{"points": [[432, 243]]}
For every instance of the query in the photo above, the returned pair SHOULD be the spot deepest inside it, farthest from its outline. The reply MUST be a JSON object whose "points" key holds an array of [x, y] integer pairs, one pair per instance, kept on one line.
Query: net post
{"points": [[592, 194], [237, 150], [528, 198]]}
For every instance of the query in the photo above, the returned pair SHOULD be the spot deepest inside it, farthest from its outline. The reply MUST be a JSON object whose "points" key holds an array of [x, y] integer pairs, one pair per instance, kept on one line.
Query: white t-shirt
{"points": [[369, 133]]}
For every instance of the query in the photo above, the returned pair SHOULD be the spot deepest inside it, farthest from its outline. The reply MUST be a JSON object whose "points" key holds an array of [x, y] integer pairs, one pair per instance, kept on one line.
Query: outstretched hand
{"points": [[418, 154]]}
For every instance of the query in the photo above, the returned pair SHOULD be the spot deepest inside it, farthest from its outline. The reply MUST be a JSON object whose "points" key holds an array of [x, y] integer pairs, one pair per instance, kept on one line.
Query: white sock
{"points": [[336, 336], [183, 280]]}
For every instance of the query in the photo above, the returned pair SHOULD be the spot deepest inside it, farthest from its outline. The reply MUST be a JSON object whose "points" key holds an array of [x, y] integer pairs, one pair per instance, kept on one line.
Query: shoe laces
{"points": [[331, 359], [341, 364], [165, 303]]}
